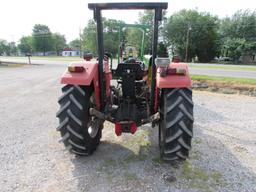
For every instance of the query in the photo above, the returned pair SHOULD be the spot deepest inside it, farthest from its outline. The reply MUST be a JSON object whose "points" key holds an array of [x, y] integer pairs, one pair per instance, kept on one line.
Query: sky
{"points": [[17, 17]]}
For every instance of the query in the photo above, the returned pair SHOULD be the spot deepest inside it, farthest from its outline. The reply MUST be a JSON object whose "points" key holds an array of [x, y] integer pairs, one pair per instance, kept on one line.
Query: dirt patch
{"points": [[224, 87]]}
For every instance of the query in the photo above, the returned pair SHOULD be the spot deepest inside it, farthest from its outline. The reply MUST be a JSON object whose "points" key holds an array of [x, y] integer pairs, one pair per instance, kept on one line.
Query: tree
{"points": [[238, 34], [3, 47], [59, 42], [75, 44], [26, 45], [193, 32], [7, 48], [162, 50], [42, 38], [110, 33], [241, 25], [146, 18], [234, 47], [12, 48], [89, 37], [134, 37]]}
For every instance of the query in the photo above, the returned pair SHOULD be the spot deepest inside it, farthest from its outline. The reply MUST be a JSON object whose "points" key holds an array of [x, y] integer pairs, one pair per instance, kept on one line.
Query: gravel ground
{"points": [[222, 159]]}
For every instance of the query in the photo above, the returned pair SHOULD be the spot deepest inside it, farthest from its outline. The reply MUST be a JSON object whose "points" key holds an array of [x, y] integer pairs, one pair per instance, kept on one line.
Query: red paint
{"points": [[156, 99], [83, 78], [96, 89], [174, 81], [87, 77], [118, 129], [133, 128]]}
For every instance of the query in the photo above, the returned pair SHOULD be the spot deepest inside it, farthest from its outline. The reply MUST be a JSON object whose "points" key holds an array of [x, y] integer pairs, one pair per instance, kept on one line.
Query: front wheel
{"points": [[79, 131], [176, 123]]}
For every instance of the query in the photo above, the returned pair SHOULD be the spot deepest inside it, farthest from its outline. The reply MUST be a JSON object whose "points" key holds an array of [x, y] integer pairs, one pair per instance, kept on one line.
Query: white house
{"points": [[68, 52]]}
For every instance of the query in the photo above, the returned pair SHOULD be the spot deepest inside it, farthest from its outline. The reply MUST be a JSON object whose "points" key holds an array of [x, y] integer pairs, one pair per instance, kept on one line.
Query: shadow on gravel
{"points": [[133, 164]]}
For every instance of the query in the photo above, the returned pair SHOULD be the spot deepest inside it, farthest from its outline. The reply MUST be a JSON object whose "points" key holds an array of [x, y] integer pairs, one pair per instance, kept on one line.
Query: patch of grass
{"points": [[239, 68], [130, 177], [186, 170], [197, 140], [196, 155], [231, 80], [141, 138], [216, 176], [198, 178], [157, 160], [139, 145], [203, 187]]}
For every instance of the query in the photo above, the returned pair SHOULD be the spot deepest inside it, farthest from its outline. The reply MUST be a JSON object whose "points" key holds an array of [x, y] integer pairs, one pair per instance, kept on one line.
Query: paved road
{"points": [[34, 61], [222, 158], [199, 71], [223, 72]]}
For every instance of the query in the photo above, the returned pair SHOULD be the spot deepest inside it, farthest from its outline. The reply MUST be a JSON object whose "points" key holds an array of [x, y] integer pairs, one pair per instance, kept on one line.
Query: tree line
{"points": [[42, 40], [206, 36], [191, 34], [188, 33]]}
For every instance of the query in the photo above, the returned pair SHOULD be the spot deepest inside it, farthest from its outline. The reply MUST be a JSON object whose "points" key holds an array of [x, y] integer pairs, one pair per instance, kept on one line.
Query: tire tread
{"points": [[176, 123]]}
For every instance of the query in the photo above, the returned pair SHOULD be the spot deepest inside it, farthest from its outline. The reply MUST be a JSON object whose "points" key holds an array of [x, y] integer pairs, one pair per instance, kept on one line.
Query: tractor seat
{"points": [[130, 68], [134, 61]]}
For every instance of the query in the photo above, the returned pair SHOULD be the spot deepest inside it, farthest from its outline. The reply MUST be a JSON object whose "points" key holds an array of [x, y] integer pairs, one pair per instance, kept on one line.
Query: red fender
{"points": [[81, 78], [89, 75], [174, 81]]}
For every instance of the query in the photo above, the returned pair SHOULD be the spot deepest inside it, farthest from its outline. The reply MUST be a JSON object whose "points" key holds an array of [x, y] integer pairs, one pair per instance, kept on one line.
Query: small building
{"points": [[68, 52]]}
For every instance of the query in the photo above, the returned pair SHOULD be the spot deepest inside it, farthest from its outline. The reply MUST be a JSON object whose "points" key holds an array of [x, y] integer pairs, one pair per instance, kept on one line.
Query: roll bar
{"points": [[139, 5], [97, 8]]}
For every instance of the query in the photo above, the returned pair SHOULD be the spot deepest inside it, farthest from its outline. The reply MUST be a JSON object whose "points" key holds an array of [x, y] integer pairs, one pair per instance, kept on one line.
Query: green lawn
{"points": [[231, 80], [237, 68]]}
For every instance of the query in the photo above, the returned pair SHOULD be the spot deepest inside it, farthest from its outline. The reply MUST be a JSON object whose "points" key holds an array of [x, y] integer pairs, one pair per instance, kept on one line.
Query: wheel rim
{"points": [[93, 125]]}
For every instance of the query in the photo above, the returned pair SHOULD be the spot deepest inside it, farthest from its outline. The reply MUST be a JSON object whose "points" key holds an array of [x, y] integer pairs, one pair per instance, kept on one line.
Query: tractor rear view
{"points": [[158, 92]]}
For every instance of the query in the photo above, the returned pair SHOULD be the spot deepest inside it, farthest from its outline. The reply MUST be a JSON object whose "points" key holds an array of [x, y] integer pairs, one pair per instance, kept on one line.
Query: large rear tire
{"points": [[80, 132], [176, 123]]}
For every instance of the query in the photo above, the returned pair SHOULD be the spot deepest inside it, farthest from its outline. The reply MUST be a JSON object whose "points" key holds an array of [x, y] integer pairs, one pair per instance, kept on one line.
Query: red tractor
{"points": [[158, 93]]}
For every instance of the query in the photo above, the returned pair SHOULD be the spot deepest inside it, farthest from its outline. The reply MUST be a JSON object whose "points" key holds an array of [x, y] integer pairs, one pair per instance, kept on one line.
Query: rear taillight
{"points": [[76, 69], [172, 71], [176, 71]]}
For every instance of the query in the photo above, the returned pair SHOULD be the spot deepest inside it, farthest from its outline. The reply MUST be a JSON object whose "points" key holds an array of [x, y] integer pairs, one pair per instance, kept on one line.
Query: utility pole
{"points": [[187, 43]]}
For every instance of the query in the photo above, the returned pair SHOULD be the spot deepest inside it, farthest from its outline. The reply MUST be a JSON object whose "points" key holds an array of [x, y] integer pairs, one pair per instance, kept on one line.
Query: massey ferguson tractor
{"points": [[158, 92]]}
